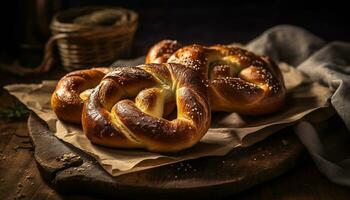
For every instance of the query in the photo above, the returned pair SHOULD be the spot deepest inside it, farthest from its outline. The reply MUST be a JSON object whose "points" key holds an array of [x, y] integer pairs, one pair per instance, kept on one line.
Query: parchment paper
{"points": [[228, 130]]}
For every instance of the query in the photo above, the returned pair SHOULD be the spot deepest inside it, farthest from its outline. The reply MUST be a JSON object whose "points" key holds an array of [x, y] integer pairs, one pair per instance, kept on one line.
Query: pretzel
{"points": [[238, 80], [111, 118], [72, 90], [161, 51], [129, 107]]}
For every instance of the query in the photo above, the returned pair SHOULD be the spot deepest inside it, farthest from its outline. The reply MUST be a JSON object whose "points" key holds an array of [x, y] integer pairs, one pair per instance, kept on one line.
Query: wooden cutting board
{"points": [[69, 170]]}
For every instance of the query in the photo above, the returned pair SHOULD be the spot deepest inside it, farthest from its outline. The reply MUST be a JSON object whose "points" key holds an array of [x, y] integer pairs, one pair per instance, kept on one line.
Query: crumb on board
{"points": [[285, 142], [67, 157]]}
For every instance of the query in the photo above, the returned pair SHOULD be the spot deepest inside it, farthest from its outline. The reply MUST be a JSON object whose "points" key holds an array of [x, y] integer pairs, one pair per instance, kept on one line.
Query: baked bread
{"points": [[128, 107], [237, 80], [161, 51], [111, 118], [68, 98]]}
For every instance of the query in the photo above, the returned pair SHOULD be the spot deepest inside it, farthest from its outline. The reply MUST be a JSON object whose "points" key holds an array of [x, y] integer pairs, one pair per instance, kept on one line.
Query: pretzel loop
{"points": [[68, 98]]}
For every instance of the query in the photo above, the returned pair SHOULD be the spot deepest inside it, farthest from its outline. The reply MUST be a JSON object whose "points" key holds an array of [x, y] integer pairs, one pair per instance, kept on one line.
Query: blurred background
{"points": [[25, 24]]}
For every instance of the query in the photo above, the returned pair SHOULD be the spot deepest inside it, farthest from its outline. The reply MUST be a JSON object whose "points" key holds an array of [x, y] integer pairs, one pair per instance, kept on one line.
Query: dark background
{"points": [[204, 22], [189, 22]]}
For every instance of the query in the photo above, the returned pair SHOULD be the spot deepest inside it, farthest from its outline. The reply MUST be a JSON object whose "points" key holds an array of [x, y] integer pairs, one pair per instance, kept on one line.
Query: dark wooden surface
{"points": [[70, 170], [20, 177]]}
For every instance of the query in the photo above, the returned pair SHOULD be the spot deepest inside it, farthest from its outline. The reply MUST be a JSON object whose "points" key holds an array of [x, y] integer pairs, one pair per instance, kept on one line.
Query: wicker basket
{"points": [[82, 46]]}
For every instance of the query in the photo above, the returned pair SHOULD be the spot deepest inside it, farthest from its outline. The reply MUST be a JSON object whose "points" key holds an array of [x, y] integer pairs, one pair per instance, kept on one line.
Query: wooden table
{"points": [[20, 178]]}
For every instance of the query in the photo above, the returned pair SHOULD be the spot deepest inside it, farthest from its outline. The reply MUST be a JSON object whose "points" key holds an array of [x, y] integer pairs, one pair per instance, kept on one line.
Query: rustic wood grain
{"points": [[302, 182], [205, 177]]}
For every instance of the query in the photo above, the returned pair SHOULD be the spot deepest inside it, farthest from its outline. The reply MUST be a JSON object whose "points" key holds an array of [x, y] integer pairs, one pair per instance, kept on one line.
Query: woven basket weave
{"points": [[82, 46]]}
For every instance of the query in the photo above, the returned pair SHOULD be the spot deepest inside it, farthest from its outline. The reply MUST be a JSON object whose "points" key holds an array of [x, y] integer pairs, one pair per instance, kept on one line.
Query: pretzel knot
{"points": [[238, 80], [111, 118]]}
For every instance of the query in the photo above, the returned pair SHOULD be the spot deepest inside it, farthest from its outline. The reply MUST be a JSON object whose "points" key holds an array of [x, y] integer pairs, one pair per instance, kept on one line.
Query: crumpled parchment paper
{"points": [[228, 130]]}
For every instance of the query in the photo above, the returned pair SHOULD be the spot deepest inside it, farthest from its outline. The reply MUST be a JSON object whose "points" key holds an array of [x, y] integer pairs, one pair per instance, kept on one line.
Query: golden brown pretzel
{"points": [[71, 90], [238, 80], [110, 119]]}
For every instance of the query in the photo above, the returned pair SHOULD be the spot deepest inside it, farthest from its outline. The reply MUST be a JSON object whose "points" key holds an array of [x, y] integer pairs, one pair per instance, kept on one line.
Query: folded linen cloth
{"points": [[328, 64]]}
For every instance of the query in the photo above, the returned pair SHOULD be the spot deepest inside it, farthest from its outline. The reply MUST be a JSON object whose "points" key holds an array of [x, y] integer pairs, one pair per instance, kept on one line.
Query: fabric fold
{"points": [[328, 64]]}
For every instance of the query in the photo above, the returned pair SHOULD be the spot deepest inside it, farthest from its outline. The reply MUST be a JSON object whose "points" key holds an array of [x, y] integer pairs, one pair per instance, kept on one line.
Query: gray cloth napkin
{"points": [[328, 64]]}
